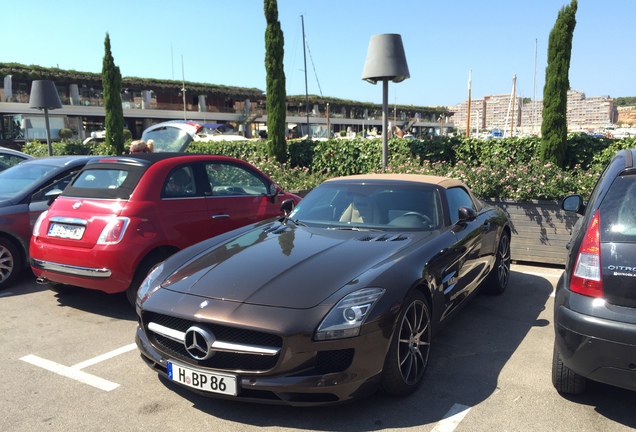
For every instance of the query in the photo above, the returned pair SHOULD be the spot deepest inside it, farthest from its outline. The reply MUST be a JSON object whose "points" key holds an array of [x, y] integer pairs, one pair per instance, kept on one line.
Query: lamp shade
{"points": [[44, 95], [26, 123], [385, 59]]}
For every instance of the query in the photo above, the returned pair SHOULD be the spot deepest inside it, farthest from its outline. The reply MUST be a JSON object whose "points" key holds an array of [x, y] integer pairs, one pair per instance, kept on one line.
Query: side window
{"points": [[458, 197], [180, 183], [234, 180], [618, 211], [9, 160], [60, 184]]}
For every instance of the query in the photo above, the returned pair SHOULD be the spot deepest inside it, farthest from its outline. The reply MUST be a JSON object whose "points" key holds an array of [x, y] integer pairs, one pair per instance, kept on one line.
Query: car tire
{"points": [[563, 378], [144, 268], [407, 358], [10, 262], [497, 280]]}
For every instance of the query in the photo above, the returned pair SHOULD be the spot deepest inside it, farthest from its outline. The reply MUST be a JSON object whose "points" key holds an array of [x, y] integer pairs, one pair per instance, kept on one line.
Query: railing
{"points": [[136, 103]]}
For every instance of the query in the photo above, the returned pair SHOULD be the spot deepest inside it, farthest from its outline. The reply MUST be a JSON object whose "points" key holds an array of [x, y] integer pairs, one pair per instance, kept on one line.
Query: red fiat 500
{"points": [[122, 215]]}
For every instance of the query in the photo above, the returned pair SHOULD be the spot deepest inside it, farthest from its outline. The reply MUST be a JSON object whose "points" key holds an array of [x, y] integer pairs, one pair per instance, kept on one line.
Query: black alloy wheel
{"points": [[407, 358], [498, 278]]}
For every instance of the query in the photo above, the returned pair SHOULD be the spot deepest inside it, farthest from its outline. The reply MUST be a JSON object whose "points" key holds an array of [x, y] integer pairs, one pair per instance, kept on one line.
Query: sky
{"points": [[222, 42]]}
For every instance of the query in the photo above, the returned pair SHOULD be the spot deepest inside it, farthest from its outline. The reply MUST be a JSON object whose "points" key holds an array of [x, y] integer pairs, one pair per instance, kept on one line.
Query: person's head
{"points": [[138, 146], [150, 144]]}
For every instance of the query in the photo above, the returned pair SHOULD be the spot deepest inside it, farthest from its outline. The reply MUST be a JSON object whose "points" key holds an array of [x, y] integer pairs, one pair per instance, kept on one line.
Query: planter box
{"points": [[540, 230]]}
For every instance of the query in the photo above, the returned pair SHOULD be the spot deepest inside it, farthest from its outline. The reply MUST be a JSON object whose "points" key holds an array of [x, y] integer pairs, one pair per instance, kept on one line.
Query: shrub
{"points": [[66, 134], [508, 168]]}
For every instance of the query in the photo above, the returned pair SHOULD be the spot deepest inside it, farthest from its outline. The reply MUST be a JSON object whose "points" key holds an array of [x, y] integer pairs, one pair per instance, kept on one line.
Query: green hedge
{"points": [[506, 168]]}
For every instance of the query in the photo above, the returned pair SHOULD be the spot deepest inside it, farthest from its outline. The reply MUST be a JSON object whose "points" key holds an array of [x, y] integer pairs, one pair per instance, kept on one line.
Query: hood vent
{"points": [[383, 238], [276, 229]]}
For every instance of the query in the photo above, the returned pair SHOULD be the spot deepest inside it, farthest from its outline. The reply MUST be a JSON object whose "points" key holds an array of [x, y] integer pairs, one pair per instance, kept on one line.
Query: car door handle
{"points": [[221, 216], [487, 226]]}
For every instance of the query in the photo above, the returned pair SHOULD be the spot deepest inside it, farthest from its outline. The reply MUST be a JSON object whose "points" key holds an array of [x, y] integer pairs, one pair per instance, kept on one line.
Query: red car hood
{"points": [[283, 266]]}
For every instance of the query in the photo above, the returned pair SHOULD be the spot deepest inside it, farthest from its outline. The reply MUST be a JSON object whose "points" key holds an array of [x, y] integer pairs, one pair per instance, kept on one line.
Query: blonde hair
{"points": [[138, 146], [150, 145]]}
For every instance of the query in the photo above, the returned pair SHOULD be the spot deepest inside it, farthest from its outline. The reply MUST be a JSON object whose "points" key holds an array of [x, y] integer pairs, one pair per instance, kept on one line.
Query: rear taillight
{"points": [[586, 279], [38, 222], [114, 231]]}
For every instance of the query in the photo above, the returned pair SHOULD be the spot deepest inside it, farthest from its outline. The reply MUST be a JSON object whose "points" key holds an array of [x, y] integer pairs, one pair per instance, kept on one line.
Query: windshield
{"points": [[345, 205], [168, 139], [21, 177]]}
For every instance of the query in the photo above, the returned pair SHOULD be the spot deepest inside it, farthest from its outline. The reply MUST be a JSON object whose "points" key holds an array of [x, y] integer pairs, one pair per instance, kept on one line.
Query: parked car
{"points": [[176, 135], [10, 157], [23, 196], [343, 295], [595, 304], [123, 214]]}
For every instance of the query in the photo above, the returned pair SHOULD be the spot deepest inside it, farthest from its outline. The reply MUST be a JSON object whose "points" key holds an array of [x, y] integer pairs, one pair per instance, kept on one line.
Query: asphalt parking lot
{"points": [[70, 363]]}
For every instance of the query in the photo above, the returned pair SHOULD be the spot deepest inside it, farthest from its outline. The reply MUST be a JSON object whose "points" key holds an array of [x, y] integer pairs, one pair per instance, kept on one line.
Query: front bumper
{"points": [[600, 349], [302, 373], [297, 390]]}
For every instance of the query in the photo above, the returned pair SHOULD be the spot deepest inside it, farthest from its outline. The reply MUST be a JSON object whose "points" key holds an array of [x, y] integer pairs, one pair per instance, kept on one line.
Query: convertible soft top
{"points": [[444, 182]]}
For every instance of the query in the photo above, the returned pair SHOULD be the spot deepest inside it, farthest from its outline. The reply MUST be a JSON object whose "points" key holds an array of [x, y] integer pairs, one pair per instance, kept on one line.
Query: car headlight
{"points": [[346, 317], [150, 284]]}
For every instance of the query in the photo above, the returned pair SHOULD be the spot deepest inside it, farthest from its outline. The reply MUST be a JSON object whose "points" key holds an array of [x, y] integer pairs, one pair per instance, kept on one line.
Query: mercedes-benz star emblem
{"points": [[198, 342]]}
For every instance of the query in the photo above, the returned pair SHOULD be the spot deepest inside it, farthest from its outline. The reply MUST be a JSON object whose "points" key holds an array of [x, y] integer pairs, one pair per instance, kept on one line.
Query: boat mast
{"points": [[534, 97], [470, 79], [183, 88], [306, 89], [512, 101]]}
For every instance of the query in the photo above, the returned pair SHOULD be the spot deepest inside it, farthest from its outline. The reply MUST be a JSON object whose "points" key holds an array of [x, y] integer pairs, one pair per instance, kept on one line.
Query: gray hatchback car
{"points": [[595, 304], [23, 196]]}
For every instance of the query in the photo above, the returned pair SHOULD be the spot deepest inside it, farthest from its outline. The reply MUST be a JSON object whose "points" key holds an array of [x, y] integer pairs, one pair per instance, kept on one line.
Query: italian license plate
{"points": [[73, 232], [201, 380]]}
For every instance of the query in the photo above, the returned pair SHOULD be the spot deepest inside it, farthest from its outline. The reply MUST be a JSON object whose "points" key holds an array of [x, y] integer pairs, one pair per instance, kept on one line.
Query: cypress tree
{"points": [[275, 81], [111, 81], [554, 128]]}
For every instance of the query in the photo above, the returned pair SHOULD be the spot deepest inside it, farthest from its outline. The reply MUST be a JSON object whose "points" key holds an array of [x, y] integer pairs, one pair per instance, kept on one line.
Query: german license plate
{"points": [[202, 380], [73, 232]]}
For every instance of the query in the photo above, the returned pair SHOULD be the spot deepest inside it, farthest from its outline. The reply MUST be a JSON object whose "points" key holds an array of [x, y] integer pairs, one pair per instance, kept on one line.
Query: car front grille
{"points": [[221, 360], [329, 361]]}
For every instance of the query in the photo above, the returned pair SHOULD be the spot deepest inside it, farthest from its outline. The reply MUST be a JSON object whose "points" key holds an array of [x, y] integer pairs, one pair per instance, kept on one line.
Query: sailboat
{"points": [[511, 107]]}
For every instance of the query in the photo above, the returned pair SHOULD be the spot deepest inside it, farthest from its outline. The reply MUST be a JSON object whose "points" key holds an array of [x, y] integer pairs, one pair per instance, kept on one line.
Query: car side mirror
{"points": [[573, 203], [274, 191], [52, 195], [466, 214], [287, 206]]}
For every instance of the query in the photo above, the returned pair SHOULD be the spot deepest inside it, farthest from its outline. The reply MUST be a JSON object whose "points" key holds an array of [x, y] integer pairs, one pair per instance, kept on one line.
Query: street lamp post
{"points": [[44, 97], [385, 61]]}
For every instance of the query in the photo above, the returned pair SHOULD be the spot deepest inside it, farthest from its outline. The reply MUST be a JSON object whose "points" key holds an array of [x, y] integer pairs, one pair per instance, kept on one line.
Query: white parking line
{"points": [[106, 356], [451, 420], [68, 372], [546, 275], [75, 372]]}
